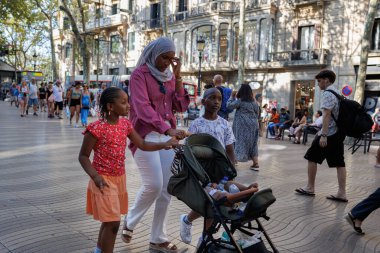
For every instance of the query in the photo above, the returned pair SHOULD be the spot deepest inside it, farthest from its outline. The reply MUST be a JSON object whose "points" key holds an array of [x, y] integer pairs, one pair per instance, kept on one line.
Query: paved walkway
{"points": [[42, 195]]}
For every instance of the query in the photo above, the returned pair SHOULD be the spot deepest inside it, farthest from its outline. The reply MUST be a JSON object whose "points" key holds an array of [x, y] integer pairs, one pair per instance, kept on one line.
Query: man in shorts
{"points": [[328, 143], [58, 97], [33, 96]]}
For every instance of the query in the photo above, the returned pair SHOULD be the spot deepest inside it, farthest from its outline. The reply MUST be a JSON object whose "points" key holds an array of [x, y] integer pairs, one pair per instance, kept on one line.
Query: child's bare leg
{"points": [[108, 236], [99, 243]]}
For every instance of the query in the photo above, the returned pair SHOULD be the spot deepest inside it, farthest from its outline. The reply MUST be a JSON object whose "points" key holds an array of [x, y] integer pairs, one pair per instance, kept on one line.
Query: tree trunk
{"points": [[52, 45], [164, 18], [365, 44], [81, 39], [241, 41]]}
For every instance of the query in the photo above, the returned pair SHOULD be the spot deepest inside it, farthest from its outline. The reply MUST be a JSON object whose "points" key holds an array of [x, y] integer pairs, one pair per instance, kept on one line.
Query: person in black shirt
{"points": [[42, 96]]}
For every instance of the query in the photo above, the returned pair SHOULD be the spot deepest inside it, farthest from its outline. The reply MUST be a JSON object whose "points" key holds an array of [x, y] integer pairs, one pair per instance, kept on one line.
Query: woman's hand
{"points": [[100, 182], [179, 134], [176, 66]]}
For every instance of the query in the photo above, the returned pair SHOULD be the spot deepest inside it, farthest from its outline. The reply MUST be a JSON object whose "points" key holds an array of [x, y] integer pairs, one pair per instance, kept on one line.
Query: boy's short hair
{"points": [[274, 109], [319, 112], [329, 74]]}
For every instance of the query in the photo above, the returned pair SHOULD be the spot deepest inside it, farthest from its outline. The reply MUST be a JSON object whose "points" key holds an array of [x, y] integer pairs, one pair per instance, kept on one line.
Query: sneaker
{"points": [[76, 126], [35, 114], [185, 230]]}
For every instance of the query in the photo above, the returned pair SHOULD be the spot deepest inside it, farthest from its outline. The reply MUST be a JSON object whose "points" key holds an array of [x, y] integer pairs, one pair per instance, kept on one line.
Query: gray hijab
{"points": [[151, 52]]}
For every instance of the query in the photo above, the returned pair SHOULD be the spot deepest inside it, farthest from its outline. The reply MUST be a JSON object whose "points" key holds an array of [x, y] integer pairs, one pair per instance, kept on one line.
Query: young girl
{"points": [[219, 128], [107, 197]]}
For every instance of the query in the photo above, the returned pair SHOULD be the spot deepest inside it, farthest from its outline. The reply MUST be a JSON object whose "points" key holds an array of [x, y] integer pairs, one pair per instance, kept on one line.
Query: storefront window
{"points": [[207, 33], [223, 43], [304, 97], [251, 40]]}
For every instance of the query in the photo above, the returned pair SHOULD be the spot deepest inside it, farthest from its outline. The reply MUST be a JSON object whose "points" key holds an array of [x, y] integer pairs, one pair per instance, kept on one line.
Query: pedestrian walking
{"points": [[210, 123], [58, 98], [14, 94], [85, 105], [50, 100], [362, 210], [226, 94], [107, 196], [74, 98], [156, 92], [42, 97], [328, 143], [23, 98], [33, 97], [246, 126]]}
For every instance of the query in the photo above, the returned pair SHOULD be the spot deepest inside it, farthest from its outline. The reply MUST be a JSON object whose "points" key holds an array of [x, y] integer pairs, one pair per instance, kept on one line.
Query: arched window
{"points": [[205, 32], [375, 45], [236, 43], [263, 40], [251, 40], [223, 43]]}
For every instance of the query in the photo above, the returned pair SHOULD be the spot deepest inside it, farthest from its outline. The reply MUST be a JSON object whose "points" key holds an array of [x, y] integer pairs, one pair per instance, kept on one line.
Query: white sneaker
{"points": [[185, 230]]}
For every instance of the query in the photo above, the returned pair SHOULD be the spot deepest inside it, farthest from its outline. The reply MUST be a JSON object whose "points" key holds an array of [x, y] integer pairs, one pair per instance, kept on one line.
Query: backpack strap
{"points": [[340, 98]]}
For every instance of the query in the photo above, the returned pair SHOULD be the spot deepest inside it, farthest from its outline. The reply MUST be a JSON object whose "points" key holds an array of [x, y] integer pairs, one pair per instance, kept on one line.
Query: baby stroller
{"points": [[203, 160]]}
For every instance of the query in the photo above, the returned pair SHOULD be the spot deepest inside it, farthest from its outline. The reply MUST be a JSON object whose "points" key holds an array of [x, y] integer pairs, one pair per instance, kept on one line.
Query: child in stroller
{"points": [[230, 198], [215, 157], [219, 128]]}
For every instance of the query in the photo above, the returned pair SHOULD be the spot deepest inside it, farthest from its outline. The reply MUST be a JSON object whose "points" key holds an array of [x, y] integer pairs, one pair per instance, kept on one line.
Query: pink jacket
{"points": [[149, 107]]}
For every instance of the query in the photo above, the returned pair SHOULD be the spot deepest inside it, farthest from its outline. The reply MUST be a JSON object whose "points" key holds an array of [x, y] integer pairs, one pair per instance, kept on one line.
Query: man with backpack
{"points": [[328, 143], [226, 94]]}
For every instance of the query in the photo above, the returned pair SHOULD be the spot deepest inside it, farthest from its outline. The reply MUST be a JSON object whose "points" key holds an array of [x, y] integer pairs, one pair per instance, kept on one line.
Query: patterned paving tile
{"points": [[43, 188]]}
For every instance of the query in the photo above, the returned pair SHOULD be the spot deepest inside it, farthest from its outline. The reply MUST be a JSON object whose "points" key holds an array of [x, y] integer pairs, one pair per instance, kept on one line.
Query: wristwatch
{"points": [[324, 135]]}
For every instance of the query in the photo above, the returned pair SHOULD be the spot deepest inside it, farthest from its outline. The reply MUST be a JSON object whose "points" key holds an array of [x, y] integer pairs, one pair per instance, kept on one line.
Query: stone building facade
{"points": [[286, 42]]}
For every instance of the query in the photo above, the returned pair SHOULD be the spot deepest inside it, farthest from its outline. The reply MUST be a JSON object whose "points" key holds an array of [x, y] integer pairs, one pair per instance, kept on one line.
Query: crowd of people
{"points": [[147, 118], [77, 102]]}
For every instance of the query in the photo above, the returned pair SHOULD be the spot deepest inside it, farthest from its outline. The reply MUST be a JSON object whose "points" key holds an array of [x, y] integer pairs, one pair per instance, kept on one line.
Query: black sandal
{"points": [[351, 220]]}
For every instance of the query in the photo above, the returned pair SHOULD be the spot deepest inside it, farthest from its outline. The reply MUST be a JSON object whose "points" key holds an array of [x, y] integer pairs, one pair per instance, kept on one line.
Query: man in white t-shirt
{"points": [[328, 143], [58, 98], [33, 96]]}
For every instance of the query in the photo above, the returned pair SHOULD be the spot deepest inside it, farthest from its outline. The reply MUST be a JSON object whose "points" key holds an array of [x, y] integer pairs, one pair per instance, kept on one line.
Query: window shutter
{"points": [[317, 36]]}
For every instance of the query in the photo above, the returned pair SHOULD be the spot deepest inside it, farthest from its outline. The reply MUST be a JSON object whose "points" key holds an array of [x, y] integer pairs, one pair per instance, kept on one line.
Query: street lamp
{"points": [[200, 46], [35, 60]]}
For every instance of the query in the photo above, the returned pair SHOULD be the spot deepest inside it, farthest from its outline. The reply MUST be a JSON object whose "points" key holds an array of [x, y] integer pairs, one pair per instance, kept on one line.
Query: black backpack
{"points": [[353, 120]]}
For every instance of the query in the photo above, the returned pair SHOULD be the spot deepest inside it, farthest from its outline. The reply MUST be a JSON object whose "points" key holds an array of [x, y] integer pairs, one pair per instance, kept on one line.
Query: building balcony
{"points": [[216, 7], [106, 22], [312, 57], [150, 24]]}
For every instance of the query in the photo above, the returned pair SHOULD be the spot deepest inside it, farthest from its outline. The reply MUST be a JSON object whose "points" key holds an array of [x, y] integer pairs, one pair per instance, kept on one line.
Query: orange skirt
{"points": [[112, 203]]}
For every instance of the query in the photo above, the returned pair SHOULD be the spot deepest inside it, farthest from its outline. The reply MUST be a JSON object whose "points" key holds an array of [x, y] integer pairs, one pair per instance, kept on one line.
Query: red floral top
{"points": [[109, 150]]}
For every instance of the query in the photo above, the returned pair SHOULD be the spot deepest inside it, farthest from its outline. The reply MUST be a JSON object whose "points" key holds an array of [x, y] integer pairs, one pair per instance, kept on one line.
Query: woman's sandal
{"points": [[163, 247], [351, 220], [126, 235]]}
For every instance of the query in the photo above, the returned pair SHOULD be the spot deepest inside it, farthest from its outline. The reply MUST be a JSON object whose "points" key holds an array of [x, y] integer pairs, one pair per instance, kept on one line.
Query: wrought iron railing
{"points": [[317, 55]]}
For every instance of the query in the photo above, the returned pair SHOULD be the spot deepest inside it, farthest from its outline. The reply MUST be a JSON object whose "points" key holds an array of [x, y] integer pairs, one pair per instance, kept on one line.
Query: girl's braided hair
{"points": [[109, 95]]}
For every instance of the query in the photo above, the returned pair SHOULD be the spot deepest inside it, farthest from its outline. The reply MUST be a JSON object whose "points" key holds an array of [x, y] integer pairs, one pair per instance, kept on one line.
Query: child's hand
{"points": [[100, 183], [173, 142], [254, 185]]}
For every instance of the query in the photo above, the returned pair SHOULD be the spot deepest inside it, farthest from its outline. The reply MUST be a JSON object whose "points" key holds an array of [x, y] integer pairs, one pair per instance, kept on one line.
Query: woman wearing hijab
{"points": [[155, 92]]}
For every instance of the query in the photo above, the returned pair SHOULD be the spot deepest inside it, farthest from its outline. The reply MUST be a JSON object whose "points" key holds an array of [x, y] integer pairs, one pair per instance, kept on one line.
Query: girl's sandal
{"points": [[163, 247], [255, 167], [126, 235]]}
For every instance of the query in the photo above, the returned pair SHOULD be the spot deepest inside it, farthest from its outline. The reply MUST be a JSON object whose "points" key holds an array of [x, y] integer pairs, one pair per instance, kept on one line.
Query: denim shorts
{"points": [[33, 101]]}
